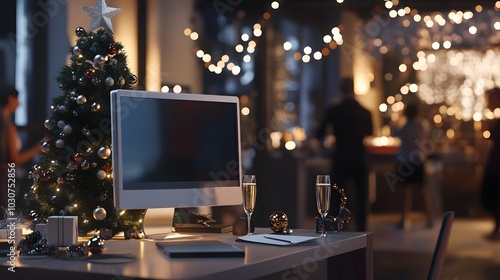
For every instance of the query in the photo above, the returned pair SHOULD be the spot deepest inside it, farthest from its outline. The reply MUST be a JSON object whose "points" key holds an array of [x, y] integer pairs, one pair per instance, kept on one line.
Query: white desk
{"points": [[343, 255]]}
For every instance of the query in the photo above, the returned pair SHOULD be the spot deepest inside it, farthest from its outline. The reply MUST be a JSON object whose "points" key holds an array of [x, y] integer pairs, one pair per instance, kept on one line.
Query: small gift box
{"points": [[62, 231], [42, 228]]}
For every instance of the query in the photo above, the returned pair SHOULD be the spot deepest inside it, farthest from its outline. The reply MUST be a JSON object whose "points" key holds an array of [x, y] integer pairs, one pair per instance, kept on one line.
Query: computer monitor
{"points": [[174, 150]]}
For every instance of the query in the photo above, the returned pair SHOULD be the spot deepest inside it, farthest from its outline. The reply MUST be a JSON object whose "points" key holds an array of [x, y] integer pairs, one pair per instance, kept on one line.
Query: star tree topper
{"points": [[100, 15]]}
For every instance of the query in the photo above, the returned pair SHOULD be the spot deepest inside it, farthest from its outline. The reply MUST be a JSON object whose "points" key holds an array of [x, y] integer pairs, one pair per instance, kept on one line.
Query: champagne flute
{"points": [[249, 191], [323, 193]]}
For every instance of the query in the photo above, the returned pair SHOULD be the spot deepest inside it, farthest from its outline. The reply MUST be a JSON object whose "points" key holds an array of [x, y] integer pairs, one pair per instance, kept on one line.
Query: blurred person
{"points": [[490, 187], [350, 123], [10, 144], [411, 164]]}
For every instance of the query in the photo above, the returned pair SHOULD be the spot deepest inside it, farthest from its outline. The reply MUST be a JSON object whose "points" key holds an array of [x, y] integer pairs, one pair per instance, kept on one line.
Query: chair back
{"points": [[441, 247]]}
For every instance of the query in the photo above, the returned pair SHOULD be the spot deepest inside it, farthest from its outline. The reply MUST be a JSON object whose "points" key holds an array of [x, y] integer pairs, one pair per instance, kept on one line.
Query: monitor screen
{"points": [[175, 150]]}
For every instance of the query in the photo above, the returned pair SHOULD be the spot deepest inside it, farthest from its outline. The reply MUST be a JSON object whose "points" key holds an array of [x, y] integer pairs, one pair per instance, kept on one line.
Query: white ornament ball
{"points": [[101, 174], [104, 152], [99, 214]]}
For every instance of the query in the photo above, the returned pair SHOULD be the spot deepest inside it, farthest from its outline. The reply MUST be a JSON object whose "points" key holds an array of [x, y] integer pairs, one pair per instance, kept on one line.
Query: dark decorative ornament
{"points": [[61, 86], [106, 233], [240, 226], [336, 223], [62, 109], [132, 78], [121, 81], [61, 124], [278, 221], [132, 233], [80, 32], [95, 245], [76, 250], [34, 244]]}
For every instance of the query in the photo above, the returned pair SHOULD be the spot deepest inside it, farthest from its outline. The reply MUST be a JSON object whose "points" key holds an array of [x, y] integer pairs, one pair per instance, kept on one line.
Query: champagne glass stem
{"points": [[323, 226], [249, 221]]}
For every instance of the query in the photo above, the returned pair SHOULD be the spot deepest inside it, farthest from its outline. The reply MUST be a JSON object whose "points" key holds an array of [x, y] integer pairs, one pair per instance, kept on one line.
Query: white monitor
{"points": [[174, 150]]}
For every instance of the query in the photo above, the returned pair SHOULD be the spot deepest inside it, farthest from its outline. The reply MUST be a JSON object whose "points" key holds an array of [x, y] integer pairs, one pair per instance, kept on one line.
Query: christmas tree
{"points": [[74, 176]]}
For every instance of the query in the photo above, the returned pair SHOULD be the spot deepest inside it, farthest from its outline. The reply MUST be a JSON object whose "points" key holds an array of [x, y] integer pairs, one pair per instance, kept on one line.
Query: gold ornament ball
{"points": [[99, 213], [278, 221]]}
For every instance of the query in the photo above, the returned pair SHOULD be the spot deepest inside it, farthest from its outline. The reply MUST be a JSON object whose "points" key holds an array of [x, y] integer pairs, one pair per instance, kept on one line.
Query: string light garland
{"points": [[447, 50], [246, 47]]}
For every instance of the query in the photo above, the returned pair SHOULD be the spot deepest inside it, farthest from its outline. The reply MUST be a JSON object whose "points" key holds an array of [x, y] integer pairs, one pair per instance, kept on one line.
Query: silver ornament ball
{"points": [[59, 143], [61, 124], [104, 152], [81, 99], [67, 129], [99, 213], [109, 82], [99, 61], [45, 147], [77, 51], [49, 124]]}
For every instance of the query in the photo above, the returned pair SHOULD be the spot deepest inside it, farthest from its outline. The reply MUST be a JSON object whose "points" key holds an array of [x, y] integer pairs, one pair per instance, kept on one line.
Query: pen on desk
{"points": [[278, 239]]}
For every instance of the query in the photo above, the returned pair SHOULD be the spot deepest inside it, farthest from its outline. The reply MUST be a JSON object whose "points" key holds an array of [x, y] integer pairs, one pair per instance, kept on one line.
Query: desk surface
{"points": [[149, 262]]}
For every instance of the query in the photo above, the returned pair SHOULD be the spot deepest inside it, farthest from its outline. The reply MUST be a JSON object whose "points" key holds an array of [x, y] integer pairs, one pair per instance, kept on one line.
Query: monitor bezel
{"points": [[166, 198]]}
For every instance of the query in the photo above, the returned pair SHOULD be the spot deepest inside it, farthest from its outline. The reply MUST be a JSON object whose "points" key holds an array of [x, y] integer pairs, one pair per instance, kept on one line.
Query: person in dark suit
{"points": [[350, 123]]}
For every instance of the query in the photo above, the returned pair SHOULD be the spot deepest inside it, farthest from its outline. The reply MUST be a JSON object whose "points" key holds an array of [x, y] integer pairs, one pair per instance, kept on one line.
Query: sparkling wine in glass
{"points": [[323, 194], [249, 192]]}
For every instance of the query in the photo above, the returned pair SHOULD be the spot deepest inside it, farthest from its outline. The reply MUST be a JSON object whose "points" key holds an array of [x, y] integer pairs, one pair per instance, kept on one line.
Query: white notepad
{"points": [[279, 240]]}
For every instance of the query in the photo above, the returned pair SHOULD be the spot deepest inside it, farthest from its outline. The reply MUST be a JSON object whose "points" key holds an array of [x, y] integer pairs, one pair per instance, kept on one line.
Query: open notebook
{"points": [[278, 240]]}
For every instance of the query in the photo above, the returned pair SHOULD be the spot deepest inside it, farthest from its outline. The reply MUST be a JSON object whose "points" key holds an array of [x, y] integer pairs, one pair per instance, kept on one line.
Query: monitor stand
{"points": [[157, 224]]}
